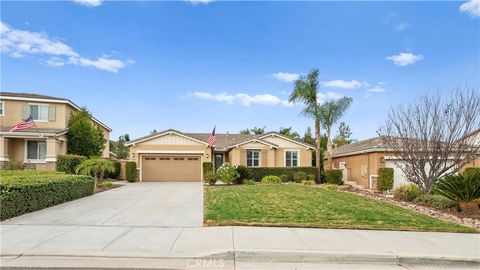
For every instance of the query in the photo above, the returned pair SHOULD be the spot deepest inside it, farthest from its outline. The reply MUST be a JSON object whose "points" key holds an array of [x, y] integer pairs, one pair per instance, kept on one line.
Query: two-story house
{"points": [[38, 146]]}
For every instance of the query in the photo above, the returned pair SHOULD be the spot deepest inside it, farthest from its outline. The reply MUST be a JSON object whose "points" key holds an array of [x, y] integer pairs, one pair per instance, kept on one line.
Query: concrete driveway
{"points": [[171, 204]]}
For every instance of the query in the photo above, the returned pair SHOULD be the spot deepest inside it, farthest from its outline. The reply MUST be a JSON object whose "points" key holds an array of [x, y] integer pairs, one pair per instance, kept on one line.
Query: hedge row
{"points": [[258, 173], [68, 163], [131, 171], [27, 191]]}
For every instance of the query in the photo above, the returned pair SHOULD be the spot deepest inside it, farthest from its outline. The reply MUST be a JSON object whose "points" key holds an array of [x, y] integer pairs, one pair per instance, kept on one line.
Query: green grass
{"points": [[303, 206]]}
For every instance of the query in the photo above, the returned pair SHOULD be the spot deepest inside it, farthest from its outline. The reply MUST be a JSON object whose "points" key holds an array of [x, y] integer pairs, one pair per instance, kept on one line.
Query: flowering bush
{"points": [[227, 173]]}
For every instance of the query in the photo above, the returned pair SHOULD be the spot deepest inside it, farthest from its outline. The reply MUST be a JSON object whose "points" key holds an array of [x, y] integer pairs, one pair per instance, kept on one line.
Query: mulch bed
{"points": [[471, 220], [115, 183]]}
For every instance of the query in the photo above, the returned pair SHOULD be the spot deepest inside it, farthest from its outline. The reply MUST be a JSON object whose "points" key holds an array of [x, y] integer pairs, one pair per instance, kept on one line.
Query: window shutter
{"points": [[51, 113], [26, 111]]}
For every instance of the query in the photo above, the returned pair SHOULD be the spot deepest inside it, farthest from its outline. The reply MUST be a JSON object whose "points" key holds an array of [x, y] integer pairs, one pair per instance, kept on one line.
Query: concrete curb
{"points": [[240, 256]]}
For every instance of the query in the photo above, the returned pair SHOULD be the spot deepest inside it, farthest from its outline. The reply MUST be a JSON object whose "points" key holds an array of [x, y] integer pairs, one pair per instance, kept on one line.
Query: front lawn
{"points": [[304, 206]]}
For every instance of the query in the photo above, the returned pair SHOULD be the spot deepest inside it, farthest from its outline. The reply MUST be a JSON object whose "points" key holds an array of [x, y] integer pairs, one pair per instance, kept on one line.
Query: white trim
{"points": [[288, 139], [31, 135], [163, 134], [25, 152], [169, 152], [4, 158], [3, 108], [370, 180], [259, 157], [61, 101], [253, 140], [39, 105], [359, 152], [51, 159], [285, 157]]}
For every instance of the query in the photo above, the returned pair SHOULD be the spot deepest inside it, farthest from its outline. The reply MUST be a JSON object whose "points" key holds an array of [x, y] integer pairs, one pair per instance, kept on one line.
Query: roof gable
{"points": [[167, 137], [283, 141]]}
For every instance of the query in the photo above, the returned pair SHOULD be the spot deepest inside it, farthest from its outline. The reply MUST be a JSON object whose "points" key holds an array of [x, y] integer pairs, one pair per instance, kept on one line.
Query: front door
{"points": [[218, 161]]}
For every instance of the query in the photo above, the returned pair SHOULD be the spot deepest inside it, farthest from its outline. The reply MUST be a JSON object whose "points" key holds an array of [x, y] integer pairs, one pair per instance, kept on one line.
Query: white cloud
{"points": [[195, 2], [344, 84], [472, 8], [21, 43], [242, 98], [405, 59], [89, 3], [286, 77], [378, 88], [322, 97], [400, 27]]}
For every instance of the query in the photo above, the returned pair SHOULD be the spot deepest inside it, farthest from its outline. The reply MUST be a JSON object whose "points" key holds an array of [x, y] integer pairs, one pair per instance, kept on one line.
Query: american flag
{"points": [[27, 123], [212, 139]]}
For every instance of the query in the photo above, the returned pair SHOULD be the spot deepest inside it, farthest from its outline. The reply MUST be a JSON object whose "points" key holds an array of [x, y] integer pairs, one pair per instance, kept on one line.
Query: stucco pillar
{"points": [[271, 157], [52, 150], [4, 149]]}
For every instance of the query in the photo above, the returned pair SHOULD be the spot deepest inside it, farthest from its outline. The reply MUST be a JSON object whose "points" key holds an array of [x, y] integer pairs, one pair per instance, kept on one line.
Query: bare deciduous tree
{"points": [[434, 136]]}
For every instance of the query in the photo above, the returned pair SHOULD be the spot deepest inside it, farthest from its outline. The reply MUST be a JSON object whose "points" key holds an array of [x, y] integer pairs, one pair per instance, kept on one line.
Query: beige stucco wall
{"points": [[13, 114], [356, 163], [473, 164]]}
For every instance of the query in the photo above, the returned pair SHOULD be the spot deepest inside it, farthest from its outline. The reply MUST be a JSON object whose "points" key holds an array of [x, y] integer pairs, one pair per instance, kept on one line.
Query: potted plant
{"points": [[463, 188]]}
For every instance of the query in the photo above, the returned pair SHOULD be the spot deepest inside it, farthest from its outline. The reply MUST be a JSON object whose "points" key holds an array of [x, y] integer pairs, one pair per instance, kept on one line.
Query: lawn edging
{"points": [[23, 192]]}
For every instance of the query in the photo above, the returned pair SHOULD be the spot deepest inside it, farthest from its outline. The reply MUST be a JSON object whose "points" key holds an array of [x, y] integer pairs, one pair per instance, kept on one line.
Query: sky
{"points": [[190, 65]]}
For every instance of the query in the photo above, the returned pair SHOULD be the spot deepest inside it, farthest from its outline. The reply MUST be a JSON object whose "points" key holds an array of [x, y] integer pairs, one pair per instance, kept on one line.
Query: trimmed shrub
{"points": [[385, 179], [13, 165], [210, 178], [27, 191], [116, 173], [298, 177], [436, 201], [68, 163], [271, 180], [406, 192], [308, 182], [207, 167], [131, 171], [227, 173], [311, 177], [334, 177], [249, 182], [286, 178], [259, 173], [243, 173]]}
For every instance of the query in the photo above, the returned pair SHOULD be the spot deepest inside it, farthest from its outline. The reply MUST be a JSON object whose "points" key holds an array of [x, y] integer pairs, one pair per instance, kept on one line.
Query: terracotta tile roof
{"points": [[224, 140], [372, 144], [36, 130], [27, 95]]}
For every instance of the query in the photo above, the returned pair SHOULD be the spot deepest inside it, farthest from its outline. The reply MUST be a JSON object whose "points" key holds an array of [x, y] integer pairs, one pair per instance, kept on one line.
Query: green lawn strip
{"points": [[302, 206]]}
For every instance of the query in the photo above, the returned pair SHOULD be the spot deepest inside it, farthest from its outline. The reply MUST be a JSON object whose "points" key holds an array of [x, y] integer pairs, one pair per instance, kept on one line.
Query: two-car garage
{"points": [[167, 168]]}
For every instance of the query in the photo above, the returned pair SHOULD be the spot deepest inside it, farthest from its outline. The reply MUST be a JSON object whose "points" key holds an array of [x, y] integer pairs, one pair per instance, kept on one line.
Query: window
{"points": [[194, 158], [150, 158], [39, 112], [291, 158], [2, 108], [36, 150], [179, 158], [253, 158]]}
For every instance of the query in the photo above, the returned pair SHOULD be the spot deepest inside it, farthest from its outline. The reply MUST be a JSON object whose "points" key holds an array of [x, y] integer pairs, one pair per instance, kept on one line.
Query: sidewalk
{"points": [[23, 245]]}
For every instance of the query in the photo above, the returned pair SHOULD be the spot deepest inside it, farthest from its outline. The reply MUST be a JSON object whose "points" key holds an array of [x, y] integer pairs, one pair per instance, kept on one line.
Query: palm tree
{"points": [[95, 166], [305, 91], [289, 132], [258, 130], [330, 113]]}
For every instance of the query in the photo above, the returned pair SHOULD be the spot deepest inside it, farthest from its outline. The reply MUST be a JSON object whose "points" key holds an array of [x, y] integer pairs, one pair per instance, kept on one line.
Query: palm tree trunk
{"points": [[329, 149], [317, 150], [95, 179]]}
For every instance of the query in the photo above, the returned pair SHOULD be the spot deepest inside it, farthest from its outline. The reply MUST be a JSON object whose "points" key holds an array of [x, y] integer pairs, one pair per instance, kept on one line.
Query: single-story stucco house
{"points": [[360, 161], [171, 155], [38, 146]]}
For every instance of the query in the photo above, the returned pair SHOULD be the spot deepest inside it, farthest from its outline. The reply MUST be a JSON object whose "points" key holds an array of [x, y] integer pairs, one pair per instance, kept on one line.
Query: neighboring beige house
{"points": [[171, 155], [361, 160], [38, 146]]}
